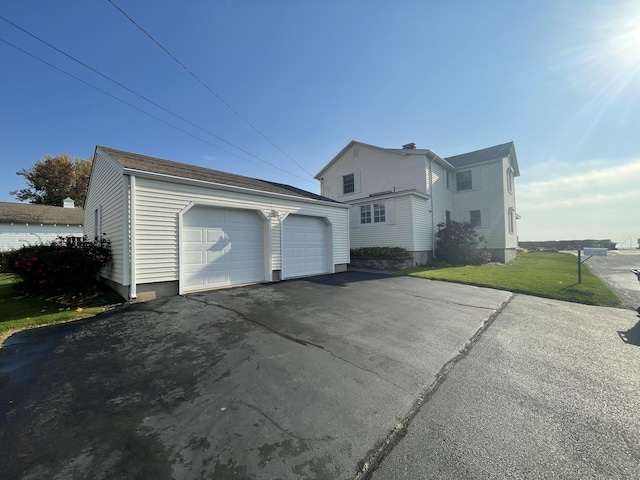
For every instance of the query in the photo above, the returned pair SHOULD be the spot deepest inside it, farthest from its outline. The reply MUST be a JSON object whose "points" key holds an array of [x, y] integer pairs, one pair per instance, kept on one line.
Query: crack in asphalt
{"points": [[367, 466], [281, 428], [298, 340], [434, 299]]}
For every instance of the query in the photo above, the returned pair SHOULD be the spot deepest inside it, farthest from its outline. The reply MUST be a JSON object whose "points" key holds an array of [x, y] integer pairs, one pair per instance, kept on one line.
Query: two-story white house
{"points": [[399, 196]]}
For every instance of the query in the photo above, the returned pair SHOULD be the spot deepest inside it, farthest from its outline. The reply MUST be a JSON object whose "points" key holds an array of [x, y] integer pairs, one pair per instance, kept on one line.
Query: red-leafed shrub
{"points": [[59, 267]]}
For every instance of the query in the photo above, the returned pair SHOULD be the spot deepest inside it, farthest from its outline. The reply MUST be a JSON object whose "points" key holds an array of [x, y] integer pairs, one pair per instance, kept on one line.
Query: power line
{"points": [[222, 100], [157, 105], [130, 104]]}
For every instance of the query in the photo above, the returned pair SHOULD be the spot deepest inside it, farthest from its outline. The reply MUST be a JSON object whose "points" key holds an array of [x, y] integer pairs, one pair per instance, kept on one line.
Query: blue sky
{"points": [[559, 78]]}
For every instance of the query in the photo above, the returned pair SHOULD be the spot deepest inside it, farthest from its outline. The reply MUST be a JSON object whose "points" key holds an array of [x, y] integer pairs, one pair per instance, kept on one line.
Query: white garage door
{"points": [[221, 247], [304, 246]]}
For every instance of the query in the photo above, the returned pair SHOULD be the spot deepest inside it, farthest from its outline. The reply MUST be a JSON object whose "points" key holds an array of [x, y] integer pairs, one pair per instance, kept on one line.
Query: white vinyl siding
{"points": [[375, 170], [16, 236], [442, 196], [397, 231], [509, 206], [421, 224], [158, 204], [107, 193], [489, 200]]}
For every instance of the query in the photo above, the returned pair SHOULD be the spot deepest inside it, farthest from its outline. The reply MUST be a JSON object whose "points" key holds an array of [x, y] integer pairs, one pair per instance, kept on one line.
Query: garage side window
{"points": [[97, 223]]}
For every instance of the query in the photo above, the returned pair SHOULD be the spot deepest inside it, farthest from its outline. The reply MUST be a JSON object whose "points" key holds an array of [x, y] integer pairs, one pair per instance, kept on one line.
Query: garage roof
{"points": [[143, 163], [23, 213]]}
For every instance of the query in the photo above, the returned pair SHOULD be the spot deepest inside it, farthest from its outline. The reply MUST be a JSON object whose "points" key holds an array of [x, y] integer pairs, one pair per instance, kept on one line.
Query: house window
{"points": [[378, 210], [447, 179], [510, 180], [348, 184], [447, 217], [463, 180], [511, 221], [365, 214], [475, 218]]}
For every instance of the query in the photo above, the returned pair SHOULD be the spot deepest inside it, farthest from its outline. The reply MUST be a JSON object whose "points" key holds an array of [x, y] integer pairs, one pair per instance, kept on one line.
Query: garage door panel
{"points": [[192, 258], [192, 236], [305, 249], [221, 247]]}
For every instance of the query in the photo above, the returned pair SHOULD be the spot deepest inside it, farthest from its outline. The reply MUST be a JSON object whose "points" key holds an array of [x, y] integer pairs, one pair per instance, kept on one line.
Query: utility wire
{"points": [[222, 100], [145, 98], [129, 104]]}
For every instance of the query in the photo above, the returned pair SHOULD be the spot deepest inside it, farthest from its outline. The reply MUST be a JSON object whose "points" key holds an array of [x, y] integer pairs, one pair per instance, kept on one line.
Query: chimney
{"points": [[409, 146], [68, 203]]}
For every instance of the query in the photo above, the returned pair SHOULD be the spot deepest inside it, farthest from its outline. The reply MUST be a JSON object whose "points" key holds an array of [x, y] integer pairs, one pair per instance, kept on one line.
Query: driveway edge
{"points": [[367, 466]]}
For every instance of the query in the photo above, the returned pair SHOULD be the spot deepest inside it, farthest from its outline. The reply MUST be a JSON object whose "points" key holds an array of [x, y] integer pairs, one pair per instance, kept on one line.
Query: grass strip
{"points": [[543, 274], [20, 313]]}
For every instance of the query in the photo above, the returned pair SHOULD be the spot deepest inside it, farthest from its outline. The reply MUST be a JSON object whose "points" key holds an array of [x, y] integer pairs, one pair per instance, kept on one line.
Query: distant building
{"points": [[28, 224]]}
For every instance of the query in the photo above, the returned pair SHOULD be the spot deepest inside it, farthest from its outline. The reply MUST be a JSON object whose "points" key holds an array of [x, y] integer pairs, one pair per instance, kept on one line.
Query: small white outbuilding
{"points": [[177, 228], [24, 224]]}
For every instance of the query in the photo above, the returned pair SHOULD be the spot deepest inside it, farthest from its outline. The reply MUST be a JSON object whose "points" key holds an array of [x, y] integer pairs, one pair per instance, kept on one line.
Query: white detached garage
{"points": [[178, 228]]}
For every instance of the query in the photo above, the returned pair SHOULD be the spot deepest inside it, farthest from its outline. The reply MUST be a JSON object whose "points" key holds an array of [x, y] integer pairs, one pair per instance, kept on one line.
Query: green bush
{"points": [[456, 244], [60, 267], [378, 252]]}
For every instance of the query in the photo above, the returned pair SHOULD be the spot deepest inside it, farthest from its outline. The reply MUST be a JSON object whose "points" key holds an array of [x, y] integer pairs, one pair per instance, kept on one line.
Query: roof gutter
{"points": [[230, 188]]}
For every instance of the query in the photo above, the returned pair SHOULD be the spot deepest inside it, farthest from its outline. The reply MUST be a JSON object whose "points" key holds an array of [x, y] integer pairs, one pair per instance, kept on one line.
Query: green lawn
{"points": [[544, 274], [21, 313]]}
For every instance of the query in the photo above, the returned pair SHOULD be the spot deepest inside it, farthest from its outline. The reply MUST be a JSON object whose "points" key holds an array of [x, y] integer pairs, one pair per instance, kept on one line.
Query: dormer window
{"points": [[348, 184]]}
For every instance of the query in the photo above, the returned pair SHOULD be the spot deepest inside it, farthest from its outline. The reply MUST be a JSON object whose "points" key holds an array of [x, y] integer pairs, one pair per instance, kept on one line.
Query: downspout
{"points": [[132, 234], [433, 231]]}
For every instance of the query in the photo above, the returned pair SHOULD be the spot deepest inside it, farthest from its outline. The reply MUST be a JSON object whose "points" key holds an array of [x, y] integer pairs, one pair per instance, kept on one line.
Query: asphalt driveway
{"points": [[614, 270], [300, 379]]}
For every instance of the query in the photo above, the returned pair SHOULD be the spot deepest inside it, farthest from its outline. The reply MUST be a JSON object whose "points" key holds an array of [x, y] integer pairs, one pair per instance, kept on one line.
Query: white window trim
{"points": [[356, 184], [371, 210], [510, 180]]}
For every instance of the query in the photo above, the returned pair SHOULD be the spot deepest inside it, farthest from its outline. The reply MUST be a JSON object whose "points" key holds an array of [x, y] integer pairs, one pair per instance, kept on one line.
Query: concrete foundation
{"points": [[150, 291]]}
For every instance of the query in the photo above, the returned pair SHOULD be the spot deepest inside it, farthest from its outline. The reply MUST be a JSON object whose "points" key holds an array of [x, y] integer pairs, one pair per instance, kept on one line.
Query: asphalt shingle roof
{"points": [[22, 213], [483, 155], [134, 161]]}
